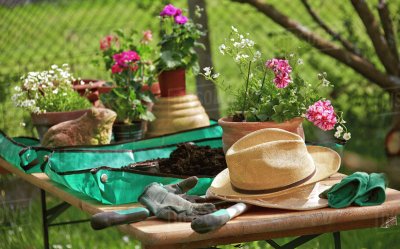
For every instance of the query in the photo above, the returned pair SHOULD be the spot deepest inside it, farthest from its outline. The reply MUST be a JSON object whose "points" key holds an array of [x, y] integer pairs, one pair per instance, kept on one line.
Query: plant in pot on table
{"points": [[50, 98], [273, 95], [131, 69], [176, 110]]}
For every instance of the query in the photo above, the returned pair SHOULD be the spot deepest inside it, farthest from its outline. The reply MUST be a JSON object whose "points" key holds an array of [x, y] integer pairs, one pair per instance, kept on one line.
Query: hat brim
{"points": [[301, 197]]}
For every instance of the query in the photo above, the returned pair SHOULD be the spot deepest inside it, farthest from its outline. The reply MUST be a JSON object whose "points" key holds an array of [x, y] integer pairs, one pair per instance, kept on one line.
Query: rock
{"points": [[93, 128]]}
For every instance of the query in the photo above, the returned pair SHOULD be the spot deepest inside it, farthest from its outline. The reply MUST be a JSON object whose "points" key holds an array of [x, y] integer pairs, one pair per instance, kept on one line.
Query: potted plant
{"points": [[50, 97], [179, 37], [273, 95], [131, 69]]}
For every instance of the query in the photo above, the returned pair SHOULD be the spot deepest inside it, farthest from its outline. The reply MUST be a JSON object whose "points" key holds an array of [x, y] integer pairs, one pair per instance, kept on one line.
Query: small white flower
{"points": [[300, 61], [347, 136], [234, 29], [339, 128], [232, 40], [325, 82], [207, 71], [245, 56], [257, 55], [22, 124], [337, 134], [222, 48], [125, 239], [55, 91], [237, 58], [216, 75], [291, 55], [17, 89], [54, 66]]}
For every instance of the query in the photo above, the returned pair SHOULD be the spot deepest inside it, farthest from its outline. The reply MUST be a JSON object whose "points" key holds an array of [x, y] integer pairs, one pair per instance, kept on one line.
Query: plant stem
{"points": [[247, 87], [262, 85]]}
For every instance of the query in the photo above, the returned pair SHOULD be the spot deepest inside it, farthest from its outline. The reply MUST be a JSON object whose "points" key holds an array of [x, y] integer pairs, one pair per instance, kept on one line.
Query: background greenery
{"points": [[40, 33]]}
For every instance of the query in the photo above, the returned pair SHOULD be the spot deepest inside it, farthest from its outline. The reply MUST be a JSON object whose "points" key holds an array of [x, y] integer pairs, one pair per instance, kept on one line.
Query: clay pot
{"points": [[172, 83], [155, 89], [233, 131], [44, 121], [123, 132], [92, 89], [177, 114]]}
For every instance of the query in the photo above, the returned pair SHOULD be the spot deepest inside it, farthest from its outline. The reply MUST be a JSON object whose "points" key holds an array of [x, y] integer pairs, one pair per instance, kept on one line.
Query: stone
{"points": [[93, 128]]}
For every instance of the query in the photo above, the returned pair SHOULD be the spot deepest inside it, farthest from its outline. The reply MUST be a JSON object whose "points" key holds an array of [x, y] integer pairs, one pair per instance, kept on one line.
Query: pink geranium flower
{"points": [[107, 42], [322, 114], [122, 59], [282, 71], [181, 19], [147, 36], [170, 10]]}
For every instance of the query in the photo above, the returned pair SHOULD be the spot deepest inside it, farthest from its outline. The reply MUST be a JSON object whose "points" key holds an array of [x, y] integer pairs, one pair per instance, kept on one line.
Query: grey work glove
{"points": [[166, 202]]}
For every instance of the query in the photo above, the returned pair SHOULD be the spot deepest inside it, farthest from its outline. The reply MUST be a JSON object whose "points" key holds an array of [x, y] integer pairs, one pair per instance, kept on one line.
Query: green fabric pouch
{"points": [[98, 172]]}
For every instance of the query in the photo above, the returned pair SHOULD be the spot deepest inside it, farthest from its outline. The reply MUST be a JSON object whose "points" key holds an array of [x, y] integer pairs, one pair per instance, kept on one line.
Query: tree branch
{"points": [[360, 65], [379, 43], [328, 30], [387, 25]]}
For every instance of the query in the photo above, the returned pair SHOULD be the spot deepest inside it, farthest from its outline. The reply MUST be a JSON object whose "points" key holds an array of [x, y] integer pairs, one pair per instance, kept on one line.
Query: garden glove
{"points": [[344, 193], [374, 193], [166, 203]]}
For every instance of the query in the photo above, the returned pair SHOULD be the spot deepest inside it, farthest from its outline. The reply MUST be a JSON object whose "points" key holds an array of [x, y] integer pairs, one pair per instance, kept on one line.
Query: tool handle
{"points": [[213, 221], [107, 219]]}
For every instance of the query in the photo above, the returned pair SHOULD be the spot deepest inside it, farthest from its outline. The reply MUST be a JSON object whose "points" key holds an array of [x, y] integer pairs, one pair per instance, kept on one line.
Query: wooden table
{"points": [[256, 224]]}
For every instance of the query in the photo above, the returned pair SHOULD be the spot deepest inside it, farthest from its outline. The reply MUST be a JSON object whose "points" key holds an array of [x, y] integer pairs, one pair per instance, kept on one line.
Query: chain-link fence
{"points": [[36, 34]]}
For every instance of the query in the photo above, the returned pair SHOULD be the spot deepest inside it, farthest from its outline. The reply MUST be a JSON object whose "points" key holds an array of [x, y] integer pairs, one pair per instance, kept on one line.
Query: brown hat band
{"points": [[272, 190]]}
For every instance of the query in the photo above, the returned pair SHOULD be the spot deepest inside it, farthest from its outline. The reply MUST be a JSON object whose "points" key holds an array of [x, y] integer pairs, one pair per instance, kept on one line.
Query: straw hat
{"points": [[274, 168]]}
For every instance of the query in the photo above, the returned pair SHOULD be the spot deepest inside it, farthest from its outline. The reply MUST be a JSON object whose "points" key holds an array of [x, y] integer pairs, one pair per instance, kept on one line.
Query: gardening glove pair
{"points": [[359, 188], [167, 202]]}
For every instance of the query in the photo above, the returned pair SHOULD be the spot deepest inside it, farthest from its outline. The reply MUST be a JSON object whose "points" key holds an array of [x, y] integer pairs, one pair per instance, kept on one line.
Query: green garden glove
{"points": [[344, 193], [374, 193], [166, 203]]}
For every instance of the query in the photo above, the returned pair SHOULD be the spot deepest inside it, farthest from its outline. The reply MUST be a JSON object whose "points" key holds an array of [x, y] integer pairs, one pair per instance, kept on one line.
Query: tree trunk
{"points": [[206, 90]]}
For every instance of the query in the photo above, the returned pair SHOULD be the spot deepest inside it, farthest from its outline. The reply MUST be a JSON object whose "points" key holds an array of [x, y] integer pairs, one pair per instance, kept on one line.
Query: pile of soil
{"points": [[190, 160]]}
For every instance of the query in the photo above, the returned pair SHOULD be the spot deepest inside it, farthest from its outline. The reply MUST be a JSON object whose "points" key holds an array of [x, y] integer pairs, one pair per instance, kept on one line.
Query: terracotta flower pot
{"points": [[92, 89], [44, 121], [155, 89], [172, 83], [233, 131], [123, 132]]}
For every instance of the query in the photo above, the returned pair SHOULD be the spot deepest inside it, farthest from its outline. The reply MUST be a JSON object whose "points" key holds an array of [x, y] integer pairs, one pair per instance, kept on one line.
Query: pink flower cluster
{"points": [[282, 71], [125, 60], [322, 114], [107, 42], [176, 13]]}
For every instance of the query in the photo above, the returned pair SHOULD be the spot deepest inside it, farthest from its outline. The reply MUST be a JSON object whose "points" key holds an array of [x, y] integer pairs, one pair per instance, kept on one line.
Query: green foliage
{"points": [[177, 45]]}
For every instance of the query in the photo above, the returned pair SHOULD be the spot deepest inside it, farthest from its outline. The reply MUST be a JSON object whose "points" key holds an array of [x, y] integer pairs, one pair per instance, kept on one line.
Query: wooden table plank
{"points": [[256, 224]]}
